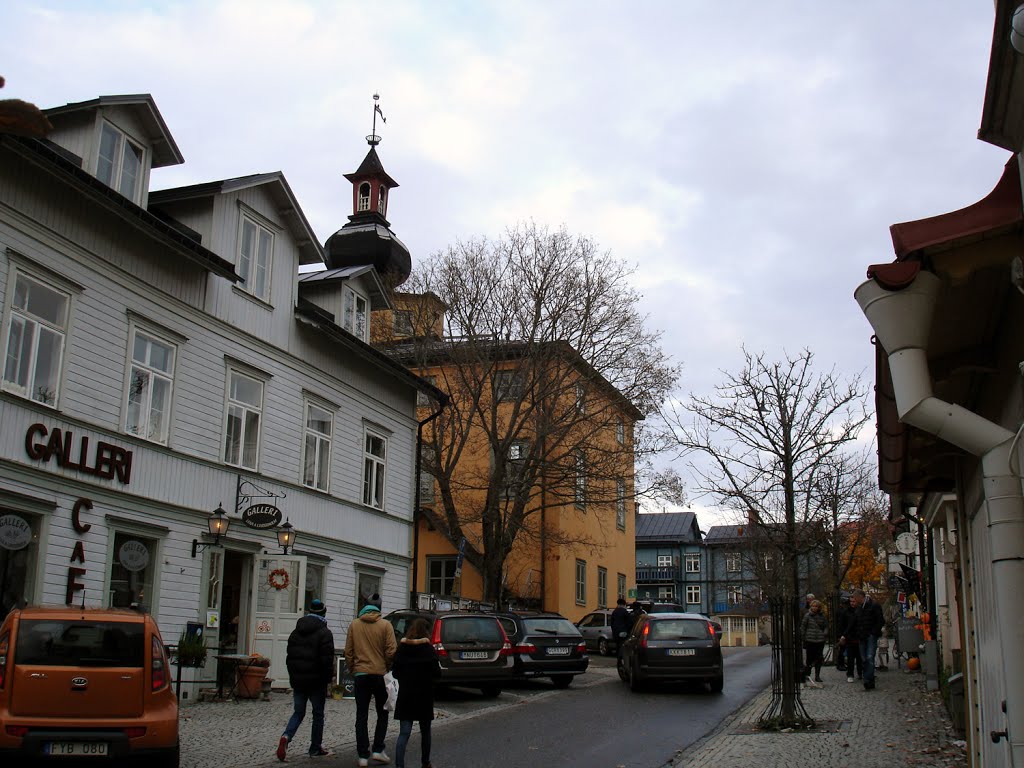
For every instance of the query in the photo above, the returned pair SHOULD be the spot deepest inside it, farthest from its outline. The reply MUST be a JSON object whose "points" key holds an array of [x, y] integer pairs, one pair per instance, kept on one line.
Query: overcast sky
{"points": [[747, 157]]}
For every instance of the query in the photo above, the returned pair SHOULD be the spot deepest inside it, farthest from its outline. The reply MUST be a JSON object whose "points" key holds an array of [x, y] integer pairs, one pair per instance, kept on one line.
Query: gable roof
{"points": [[310, 251], [165, 151], [666, 526], [378, 295], [725, 534]]}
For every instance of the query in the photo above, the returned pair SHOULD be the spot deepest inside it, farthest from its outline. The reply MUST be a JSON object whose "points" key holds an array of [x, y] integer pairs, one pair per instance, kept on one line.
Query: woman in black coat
{"points": [[415, 668]]}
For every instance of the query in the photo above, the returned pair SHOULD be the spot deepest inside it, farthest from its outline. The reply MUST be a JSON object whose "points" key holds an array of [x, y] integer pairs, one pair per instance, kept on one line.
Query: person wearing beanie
{"points": [[310, 663], [369, 652]]}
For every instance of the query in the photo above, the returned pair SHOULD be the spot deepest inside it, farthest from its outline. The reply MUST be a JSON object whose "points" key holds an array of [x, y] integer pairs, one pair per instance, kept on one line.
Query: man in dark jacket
{"points": [[310, 664], [869, 622], [842, 620], [621, 622]]}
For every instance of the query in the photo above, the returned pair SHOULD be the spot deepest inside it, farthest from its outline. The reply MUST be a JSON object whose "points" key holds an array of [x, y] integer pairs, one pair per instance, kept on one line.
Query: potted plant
{"points": [[337, 691], [191, 650], [251, 674]]}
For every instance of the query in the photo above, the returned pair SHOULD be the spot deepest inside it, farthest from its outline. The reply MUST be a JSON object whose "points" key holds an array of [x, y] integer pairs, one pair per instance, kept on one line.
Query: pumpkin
{"points": [[913, 663]]}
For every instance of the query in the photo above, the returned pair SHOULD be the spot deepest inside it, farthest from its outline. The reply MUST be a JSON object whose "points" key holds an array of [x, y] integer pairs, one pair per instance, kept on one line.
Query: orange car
{"points": [[85, 682]]}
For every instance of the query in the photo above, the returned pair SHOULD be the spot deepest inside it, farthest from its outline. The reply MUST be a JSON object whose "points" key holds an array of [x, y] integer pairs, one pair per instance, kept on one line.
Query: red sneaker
{"points": [[282, 749]]}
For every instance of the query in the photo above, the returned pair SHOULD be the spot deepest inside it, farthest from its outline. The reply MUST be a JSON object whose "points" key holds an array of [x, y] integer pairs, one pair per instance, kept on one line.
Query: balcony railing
{"points": [[647, 575]]}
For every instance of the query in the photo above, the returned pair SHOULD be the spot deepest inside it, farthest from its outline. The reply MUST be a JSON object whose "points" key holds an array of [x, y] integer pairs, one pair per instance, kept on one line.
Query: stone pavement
{"points": [[897, 725]]}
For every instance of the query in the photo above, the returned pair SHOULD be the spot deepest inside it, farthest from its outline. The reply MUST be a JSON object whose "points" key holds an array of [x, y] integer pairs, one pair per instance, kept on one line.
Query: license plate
{"points": [[473, 655], [681, 652], [558, 651], [75, 748]]}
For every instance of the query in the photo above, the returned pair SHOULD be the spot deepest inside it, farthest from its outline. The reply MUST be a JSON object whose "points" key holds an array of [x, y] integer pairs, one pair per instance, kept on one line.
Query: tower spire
{"points": [[373, 139]]}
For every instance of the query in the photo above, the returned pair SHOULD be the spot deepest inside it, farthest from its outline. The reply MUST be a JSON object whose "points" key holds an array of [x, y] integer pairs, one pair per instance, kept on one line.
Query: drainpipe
{"points": [[901, 318]]}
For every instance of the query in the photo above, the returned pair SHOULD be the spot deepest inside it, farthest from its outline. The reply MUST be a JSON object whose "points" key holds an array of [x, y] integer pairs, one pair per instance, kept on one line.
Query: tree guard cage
{"points": [[785, 709]]}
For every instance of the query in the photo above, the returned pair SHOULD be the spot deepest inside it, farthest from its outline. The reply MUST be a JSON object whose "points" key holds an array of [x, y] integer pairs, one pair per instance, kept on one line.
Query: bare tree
{"points": [[538, 340], [771, 436]]}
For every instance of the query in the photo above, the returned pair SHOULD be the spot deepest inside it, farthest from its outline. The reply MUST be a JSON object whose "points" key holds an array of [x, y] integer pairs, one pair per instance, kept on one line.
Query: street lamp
{"points": [[218, 526], [286, 535]]}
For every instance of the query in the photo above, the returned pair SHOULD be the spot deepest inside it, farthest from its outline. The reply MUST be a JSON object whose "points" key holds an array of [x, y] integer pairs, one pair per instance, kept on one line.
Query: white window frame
{"points": [[620, 432], [374, 469], [245, 409], [693, 562], [734, 594], [602, 587], [427, 490], [322, 443], [382, 200], [693, 594], [666, 593], [423, 400], [620, 585], [620, 504], [249, 264], [733, 562], [355, 313], [123, 143], [515, 465], [580, 486], [363, 200], [664, 561], [581, 582], [401, 322], [58, 331], [581, 398], [509, 385], [144, 428], [446, 564]]}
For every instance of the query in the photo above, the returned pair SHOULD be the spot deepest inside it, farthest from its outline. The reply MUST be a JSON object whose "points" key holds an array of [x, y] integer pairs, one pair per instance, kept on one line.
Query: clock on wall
{"points": [[906, 543]]}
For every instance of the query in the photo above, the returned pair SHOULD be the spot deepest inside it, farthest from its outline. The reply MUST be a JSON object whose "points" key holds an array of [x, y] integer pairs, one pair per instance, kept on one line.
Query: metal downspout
{"points": [[901, 320]]}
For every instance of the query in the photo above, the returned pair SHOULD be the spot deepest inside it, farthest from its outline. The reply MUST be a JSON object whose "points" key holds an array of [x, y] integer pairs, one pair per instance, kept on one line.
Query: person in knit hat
{"points": [[369, 652], [310, 663]]}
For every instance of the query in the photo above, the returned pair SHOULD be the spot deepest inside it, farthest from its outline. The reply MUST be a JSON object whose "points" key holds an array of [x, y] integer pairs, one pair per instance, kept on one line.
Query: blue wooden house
{"points": [[671, 561]]}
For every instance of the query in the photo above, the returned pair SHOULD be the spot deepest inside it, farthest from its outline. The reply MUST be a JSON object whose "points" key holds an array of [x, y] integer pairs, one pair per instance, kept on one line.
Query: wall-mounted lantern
{"points": [[218, 526]]}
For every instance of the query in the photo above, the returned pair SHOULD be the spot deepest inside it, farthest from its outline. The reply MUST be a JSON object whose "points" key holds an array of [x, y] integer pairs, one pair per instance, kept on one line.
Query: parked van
{"points": [[85, 682]]}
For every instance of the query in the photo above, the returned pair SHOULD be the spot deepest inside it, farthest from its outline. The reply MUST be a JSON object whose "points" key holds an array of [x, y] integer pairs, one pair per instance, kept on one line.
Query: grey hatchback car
{"points": [[472, 648], [672, 647]]}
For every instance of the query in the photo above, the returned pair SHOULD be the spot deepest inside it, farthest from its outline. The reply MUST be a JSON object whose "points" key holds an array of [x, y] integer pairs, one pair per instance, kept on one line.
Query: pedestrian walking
{"points": [[869, 628], [621, 622], [416, 668], [310, 662], [369, 651], [814, 631], [842, 620], [849, 639]]}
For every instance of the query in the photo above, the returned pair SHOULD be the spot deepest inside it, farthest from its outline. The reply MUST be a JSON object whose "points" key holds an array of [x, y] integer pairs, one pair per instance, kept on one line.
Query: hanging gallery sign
{"points": [[261, 516]]}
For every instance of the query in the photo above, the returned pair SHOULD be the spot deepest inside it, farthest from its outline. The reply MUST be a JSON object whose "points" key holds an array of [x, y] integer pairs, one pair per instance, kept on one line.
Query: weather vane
{"points": [[373, 139]]}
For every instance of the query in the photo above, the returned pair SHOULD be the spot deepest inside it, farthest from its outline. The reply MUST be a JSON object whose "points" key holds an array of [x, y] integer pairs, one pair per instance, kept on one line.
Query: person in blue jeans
{"points": [[416, 668], [869, 622], [310, 663]]}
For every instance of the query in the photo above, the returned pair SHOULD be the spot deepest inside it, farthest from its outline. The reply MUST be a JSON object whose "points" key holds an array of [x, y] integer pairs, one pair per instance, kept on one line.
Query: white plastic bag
{"points": [[392, 685]]}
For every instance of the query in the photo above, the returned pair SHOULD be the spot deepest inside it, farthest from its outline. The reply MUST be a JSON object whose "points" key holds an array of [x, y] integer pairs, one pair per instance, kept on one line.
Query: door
{"points": [[276, 606]]}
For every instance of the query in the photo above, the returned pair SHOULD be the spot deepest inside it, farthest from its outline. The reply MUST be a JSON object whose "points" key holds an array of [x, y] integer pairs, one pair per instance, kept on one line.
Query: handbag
{"points": [[392, 687]]}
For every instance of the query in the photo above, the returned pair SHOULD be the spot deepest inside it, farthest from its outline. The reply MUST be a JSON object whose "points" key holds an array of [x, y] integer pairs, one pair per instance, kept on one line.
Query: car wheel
{"points": [[635, 682], [622, 671], [490, 691], [716, 684], [169, 759], [562, 681], [602, 647]]}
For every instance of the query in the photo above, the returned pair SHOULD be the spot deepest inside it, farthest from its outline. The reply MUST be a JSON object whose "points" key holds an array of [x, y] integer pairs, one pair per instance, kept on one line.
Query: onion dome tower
{"points": [[367, 239]]}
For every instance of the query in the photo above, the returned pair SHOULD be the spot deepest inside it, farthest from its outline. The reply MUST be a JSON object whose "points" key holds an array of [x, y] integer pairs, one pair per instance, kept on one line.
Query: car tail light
{"points": [[643, 635], [581, 648], [19, 731], [435, 640], [525, 648], [135, 732], [158, 665], [506, 646], [711, 629], [3, 660]]}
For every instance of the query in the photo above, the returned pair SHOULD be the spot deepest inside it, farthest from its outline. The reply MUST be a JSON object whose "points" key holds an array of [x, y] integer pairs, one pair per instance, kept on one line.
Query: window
{"points": [[150, 383], [18, 566], [693, 594], [354, 313], [664, 561], [620, 585], [424, 400], [735, 594], [602, 587], [119, 164], [508, 385], [363, 204], [314, 584], [374, 457], [401, 322], [515, 467], [441, 575], [37, 325], [581, 398], [620, 432], [242, 433], [131, 571], [693, 562], [428, 457], [316, 449], [768, 562], [620, 503], [581, 582], [666, 593], [732, 562], [255, 254], [580, 494], [382, 200]]}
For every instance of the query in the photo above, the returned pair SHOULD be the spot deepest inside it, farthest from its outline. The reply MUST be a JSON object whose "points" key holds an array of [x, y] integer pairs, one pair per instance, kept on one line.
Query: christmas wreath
{"points": [[279, 578]]}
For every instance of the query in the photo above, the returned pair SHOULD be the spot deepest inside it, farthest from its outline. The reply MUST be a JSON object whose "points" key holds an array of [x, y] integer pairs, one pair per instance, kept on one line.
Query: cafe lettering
{"points": [[105, 461]]}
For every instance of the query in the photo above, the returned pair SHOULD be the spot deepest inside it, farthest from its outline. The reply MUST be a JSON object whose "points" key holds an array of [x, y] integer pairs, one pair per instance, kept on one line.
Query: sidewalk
{"points": [[897, 725]]}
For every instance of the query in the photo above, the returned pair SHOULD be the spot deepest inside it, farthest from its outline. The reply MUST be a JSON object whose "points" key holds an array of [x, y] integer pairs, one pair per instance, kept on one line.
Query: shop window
{"points": [[132, 569], [19, 539]]}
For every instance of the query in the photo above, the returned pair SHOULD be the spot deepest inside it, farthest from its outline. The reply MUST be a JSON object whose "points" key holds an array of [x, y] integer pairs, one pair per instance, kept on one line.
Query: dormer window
{"points": [[382, 200], [363, 204], [255, 257], [354, 314], [119, 164]]}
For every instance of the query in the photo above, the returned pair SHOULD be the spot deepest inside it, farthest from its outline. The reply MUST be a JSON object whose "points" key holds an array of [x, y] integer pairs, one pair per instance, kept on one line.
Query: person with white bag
{"points": [[369, 650], [416, 668]]}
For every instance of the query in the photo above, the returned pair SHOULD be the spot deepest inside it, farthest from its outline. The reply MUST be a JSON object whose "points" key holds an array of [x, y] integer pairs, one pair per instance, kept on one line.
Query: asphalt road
{"points": [[597, 723]]}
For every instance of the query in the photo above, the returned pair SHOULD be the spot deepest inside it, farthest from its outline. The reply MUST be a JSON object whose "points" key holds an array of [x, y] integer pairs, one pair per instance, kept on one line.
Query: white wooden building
{"points": [[160, 361]]}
